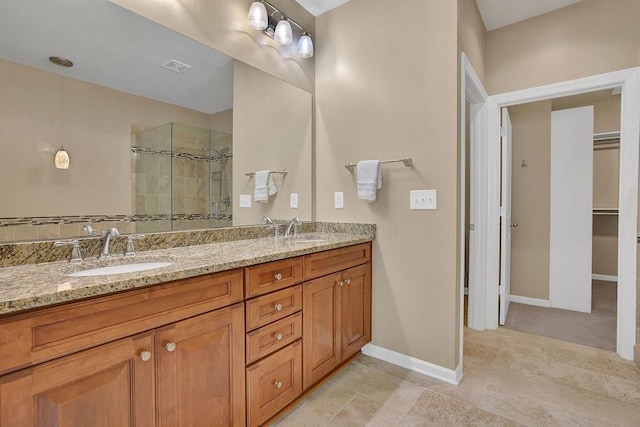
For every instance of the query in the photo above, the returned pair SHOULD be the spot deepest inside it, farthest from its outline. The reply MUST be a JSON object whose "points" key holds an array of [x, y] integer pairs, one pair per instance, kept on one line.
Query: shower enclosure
{"points": [[181, 178]]}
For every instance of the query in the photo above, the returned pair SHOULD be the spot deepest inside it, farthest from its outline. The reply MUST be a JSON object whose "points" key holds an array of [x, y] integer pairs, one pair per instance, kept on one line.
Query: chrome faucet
{"points": [[76, 255], [87, 228], [108, 234], [272, 224], [292, 224]]}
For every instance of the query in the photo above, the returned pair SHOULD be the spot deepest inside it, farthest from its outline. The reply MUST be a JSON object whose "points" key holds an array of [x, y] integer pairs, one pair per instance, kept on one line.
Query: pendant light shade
{"points": [[258, 16], [305, 46], [62, 159], [283, 33]]}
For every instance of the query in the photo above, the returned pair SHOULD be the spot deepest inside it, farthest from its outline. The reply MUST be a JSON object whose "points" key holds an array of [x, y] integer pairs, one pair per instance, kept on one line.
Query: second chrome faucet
{"points": [[106, 239]]}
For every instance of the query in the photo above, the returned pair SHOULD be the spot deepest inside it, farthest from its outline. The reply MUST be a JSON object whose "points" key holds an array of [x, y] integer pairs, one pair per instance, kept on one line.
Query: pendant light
{"points": [[283, 33], [258, 19], [305, 46], [61, 159]]}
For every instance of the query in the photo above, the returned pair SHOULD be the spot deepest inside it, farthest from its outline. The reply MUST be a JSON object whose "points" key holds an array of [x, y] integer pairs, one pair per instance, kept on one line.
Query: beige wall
{"points": [[222, 24], [587, 38], [472, 36], [389, 102], [98, 127], [271, 130], [531, 199]]}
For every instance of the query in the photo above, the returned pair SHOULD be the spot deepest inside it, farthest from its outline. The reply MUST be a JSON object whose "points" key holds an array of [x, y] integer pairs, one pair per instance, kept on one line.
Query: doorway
{"points": [[564, 227], [484, 253]]}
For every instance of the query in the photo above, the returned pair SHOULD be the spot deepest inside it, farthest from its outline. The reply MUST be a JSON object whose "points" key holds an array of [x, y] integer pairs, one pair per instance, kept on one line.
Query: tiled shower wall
{"points": [[182, 193]]}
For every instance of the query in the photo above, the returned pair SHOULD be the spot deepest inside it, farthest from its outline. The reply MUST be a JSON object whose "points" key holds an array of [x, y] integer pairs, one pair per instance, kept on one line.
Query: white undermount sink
{"points": [[301, 238], [119, 269]]}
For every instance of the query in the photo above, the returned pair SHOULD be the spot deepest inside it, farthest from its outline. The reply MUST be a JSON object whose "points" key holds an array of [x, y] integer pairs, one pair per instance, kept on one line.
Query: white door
{"points": [[505, 217], [570, 243]]}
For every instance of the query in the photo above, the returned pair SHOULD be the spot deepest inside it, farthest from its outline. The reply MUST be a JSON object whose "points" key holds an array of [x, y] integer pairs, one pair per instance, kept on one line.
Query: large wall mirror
{"points": [[163, 133]]}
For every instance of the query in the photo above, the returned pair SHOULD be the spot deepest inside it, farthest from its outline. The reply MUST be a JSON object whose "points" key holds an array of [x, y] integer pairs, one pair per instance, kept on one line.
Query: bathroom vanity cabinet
{"points": [[229, 348]]}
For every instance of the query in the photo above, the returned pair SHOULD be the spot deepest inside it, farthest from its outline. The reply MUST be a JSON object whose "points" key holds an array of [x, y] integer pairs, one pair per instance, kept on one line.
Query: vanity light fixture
{"points": [[61, 159], [281, 29]]}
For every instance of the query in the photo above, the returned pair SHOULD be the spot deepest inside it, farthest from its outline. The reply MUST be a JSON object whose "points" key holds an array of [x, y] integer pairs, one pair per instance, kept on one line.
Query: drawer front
{"points": [[327, 262], [273, 383], [269, 277], [273, 337], [35, 337], [269, 308]]}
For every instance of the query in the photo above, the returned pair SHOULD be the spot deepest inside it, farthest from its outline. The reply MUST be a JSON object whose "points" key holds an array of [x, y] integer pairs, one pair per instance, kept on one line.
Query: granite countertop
{"points": [[32, 286]]}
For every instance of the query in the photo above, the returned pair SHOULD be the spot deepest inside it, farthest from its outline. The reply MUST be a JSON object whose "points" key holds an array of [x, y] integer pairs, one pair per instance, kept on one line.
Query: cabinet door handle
{"points": [[347, 281], [278, 384], [170, 346], [145, 356], [278, 307], [341, 283], [278, 336], [278, 276]]}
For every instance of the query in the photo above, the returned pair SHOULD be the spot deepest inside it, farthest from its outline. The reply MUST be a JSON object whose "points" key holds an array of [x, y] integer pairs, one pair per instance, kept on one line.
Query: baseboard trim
{"points": [[604, 277], [531, 301], [435, 371]]}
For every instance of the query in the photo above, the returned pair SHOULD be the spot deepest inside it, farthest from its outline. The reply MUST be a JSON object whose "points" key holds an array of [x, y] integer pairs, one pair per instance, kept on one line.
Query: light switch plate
{"points": [[423, 199], [338, 200], [245, 200], [293, 201]]}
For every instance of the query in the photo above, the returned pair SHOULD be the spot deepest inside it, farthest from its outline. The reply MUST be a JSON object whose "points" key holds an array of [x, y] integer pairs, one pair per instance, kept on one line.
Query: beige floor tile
{"points": [[622, 389], [301, 416], [397, 371], [362, 411], [379, 387], [444, 410], [328, 400], [523, 409]]}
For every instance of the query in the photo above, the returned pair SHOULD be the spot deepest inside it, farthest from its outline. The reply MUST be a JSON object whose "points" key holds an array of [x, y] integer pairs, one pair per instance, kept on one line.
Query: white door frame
{"points": [[629, 80], [472, 91]]}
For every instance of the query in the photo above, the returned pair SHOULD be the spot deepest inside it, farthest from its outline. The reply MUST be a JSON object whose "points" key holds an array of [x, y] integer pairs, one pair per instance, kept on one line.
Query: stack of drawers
{"points": [[274, 337]]}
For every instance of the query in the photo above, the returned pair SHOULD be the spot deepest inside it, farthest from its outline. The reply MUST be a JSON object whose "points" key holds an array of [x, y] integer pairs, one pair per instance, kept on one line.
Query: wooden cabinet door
{"points": [[108, 385], [200, 370], [321, 327], [355, 309]]}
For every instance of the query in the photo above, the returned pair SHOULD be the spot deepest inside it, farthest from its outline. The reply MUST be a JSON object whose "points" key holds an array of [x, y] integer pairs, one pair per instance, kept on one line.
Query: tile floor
{"points": [[510, 378]]}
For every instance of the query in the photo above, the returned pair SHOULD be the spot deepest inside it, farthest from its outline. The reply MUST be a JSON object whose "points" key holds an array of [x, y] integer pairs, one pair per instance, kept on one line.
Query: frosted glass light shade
{"points": [[61, 160], [305, 46], [258, 16], [283, 33]]}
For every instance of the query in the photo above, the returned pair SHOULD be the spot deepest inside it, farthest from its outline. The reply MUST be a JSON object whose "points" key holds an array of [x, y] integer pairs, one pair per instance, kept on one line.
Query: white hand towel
{"points": [[272, 185], [368, 179], [261, 190]]}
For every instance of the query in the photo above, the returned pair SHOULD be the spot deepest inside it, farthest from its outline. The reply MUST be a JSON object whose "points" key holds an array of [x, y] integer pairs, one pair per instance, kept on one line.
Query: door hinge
{"points": [[503, 131], [472, 227], [501, 290]]}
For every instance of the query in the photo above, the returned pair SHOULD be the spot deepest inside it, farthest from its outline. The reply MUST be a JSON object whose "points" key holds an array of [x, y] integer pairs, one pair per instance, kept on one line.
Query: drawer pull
{"points": [[278, 276], [278, 336], [341, 283], [278, 384], [346, 282], [145, 356], [278, 307], [170, 346]]}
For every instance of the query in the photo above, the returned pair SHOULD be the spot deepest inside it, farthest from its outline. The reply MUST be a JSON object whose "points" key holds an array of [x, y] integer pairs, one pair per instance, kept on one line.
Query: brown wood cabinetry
{"points": [[227, 349], [109, 385], [188, 372], [337, 320], [200, 372]]}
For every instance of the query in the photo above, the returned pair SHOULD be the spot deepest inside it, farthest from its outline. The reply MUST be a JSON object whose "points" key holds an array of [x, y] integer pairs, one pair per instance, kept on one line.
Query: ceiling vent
{"points": [[176, 66]]}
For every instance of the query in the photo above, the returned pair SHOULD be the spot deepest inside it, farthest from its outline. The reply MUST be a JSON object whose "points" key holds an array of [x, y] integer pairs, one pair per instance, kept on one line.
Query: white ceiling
{"points": [[495, 13], [318, 7], [113, 47], [500, 13]]}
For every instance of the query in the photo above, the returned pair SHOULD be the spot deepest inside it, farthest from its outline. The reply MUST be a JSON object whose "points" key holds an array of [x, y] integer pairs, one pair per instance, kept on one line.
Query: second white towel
{"points": [[368, 179], [265, 186]]}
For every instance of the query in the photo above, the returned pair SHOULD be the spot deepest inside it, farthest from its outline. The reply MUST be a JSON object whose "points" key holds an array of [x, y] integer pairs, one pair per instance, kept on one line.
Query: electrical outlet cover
{"points": [[245, 200], [338, 200], [293, 201]]}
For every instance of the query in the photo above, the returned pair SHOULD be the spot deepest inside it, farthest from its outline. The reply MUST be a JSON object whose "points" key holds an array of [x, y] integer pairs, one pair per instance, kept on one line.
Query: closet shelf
{"points": [[605, 211]]}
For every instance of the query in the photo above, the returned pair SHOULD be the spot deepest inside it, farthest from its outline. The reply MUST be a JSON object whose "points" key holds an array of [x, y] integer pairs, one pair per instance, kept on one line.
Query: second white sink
{"points": [[119, 269]]}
